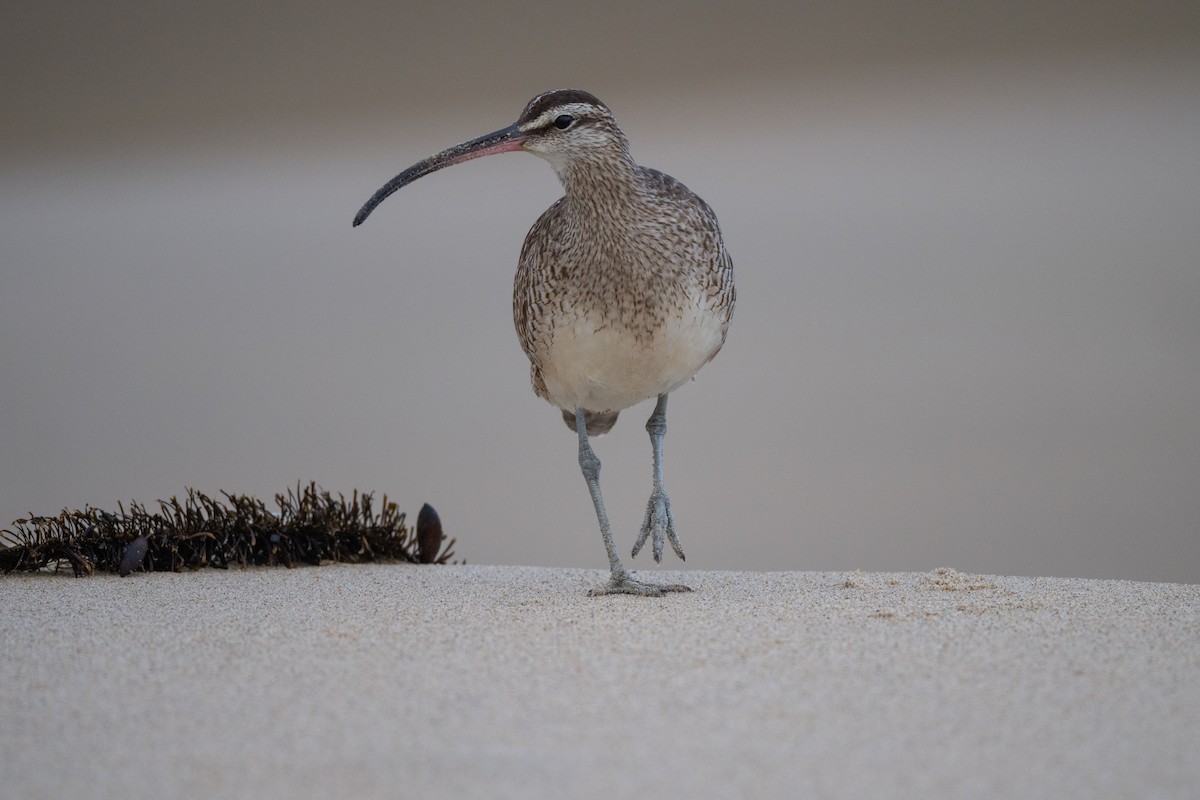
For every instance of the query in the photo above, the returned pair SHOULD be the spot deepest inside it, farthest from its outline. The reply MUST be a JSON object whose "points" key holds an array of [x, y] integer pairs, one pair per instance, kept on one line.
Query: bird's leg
{"points": [[620, 582], [659, 520]]}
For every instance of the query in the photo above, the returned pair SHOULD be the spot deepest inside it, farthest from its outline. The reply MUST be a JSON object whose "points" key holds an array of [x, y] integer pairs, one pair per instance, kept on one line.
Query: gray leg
{"points": [[620, 581], [659, 520]]}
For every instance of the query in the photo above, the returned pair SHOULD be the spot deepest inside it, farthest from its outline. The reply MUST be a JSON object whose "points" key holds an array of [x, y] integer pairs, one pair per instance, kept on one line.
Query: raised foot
{"points": [[623, 583], [659, 523]]}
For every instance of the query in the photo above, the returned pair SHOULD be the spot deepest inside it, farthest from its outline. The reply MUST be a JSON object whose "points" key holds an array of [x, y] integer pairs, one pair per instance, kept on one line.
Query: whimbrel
{"points": [[624, 289]]}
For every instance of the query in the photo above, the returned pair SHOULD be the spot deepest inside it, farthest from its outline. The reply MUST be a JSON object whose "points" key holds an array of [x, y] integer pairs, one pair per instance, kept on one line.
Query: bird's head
{"points": [[567, 127]]}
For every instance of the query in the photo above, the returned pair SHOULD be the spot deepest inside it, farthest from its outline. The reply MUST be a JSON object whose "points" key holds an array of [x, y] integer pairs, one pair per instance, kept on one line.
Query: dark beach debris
{"points": [[135, 553], [311, 526], [429, 534]]}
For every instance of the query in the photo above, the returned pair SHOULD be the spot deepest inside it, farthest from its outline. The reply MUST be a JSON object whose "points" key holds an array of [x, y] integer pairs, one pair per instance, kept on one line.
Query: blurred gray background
{"points": [[967, 240]]}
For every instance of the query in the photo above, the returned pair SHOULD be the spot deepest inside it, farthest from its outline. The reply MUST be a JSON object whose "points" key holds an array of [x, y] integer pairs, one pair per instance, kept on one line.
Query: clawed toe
{"points": [[659, 524], [623, 583]]}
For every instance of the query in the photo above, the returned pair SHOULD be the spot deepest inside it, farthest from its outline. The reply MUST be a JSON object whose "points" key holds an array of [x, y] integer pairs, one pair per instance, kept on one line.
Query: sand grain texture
{"points": [[403, 681]]}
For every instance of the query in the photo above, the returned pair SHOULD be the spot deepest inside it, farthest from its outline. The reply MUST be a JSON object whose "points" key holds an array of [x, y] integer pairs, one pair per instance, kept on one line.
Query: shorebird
{"points": [[624, 290]]}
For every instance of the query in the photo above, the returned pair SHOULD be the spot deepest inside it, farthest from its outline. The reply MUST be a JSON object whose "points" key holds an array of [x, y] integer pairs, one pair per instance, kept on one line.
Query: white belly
{"points": [[604, 367]]}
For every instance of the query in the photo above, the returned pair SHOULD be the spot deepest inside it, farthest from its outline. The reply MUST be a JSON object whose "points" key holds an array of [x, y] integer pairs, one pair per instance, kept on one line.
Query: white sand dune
{"points": [[470, 681]]}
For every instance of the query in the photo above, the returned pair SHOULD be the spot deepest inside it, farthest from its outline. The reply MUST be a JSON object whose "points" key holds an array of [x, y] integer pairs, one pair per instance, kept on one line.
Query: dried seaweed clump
{"points": [[311, 526]]}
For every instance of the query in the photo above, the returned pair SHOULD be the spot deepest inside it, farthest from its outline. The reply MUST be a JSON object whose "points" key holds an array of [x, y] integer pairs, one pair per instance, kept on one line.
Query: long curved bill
{"points": [[501, 141]]}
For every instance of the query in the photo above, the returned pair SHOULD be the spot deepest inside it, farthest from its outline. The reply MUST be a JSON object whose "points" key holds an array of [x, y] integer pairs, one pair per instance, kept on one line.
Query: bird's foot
{"points": [[624, 583], [658, 524]]}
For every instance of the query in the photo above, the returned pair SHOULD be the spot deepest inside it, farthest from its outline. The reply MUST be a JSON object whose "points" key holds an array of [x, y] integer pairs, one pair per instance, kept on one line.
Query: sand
{"points": [[389, 681]]}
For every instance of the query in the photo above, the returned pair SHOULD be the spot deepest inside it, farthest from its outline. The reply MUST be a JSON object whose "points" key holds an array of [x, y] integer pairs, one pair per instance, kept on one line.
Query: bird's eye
{"points": [[563, 122]]}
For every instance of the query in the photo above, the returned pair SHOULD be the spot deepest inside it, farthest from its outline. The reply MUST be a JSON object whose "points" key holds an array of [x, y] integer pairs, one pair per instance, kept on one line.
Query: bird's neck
{"points": [[602, 191]]}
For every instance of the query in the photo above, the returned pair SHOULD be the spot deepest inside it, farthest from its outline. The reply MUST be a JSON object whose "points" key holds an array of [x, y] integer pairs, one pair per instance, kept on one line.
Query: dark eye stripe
{"points": [[559, 97]]}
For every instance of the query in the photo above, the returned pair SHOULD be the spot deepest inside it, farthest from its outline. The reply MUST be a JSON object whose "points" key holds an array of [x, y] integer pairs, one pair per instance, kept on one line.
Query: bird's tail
{"points": [[597, 422]]}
